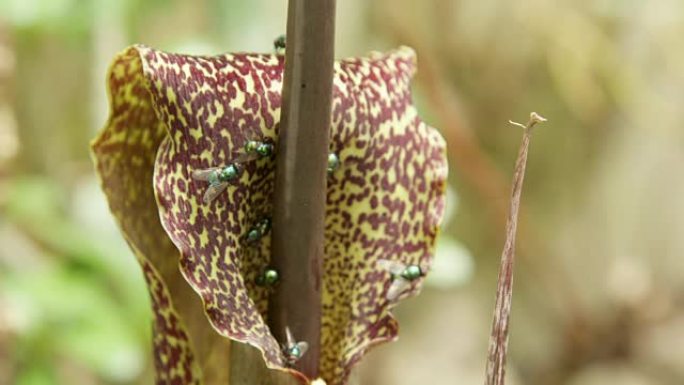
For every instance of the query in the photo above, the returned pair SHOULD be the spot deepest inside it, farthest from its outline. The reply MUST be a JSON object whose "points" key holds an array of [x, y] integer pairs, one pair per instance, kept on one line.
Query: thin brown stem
{"points": [[498, 341], [299, 200]]}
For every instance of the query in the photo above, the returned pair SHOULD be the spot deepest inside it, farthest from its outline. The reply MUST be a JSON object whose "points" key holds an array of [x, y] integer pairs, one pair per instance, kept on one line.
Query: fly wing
{"points": [[244, 157], [394, 267], [398, 286], [303, 347], [213, 191], [204, 174], [289, 340]]}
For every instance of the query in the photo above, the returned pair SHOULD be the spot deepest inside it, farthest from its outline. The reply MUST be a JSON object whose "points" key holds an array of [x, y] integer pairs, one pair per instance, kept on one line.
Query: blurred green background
{"points": [[599, 287]]}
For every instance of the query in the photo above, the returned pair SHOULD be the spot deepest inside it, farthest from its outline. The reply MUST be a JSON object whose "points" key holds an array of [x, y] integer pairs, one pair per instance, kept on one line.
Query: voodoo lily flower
{"points": [[186, 163]]}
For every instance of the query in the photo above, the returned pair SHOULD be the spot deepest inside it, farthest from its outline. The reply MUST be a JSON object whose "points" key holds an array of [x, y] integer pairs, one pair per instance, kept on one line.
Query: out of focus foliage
{"points": [[72, 307], [599, 292]]}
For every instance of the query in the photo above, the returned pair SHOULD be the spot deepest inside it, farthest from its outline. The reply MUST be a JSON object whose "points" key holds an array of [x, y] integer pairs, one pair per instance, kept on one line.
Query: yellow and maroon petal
{"points": [[212, 107], [384, 202], [174, 359], [124, 155]]}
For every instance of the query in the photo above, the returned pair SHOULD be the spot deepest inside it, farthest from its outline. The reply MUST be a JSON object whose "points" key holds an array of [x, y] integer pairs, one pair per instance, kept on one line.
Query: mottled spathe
{"points": [[385, 200]]}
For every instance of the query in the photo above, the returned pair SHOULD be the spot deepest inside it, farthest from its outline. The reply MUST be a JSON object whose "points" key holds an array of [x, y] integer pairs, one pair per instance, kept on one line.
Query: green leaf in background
{"points": [[68, 301], [91, 327]]}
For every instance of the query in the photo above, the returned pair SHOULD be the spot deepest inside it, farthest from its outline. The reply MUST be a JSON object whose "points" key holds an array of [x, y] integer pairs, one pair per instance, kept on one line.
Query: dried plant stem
{"points": [[498, 341], [300, 191]]}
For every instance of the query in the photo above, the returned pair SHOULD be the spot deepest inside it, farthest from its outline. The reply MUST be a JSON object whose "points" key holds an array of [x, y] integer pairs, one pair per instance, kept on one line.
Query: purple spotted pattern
{"points": [[124, 154], [173, 359], [384, 202]]}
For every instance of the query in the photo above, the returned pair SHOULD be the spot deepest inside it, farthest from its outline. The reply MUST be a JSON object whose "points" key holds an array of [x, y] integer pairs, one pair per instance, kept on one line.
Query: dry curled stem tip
{"points": [[498, 342], [534, 119]]}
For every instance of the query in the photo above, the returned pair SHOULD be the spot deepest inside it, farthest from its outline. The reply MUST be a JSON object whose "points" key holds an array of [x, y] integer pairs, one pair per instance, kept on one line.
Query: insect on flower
{"points": [[161, 167], [293, 350], [219, 177], [268, 277], [333, 163], [257, 231], [255, 149], [279, 44], [402, 276]]}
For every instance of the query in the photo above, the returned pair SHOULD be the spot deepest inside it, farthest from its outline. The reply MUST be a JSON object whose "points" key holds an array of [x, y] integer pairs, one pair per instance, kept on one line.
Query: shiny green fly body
{"points": [[279, 44], [268, 277], [218, 178], [255, 149], [258, 230], [402, 276], [333, 163], [293, 350]]}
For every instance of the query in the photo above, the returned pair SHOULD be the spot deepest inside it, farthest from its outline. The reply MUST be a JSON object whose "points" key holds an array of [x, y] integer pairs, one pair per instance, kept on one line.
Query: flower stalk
{"points": [[300, 186]]}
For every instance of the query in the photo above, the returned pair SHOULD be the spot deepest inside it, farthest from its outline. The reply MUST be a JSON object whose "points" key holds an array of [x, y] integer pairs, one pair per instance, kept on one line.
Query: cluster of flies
{"points": [[218, 178]]}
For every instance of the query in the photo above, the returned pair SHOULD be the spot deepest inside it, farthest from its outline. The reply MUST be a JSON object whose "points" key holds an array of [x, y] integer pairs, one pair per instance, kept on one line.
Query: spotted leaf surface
{"points": [[384, 202], [124, 155]]}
